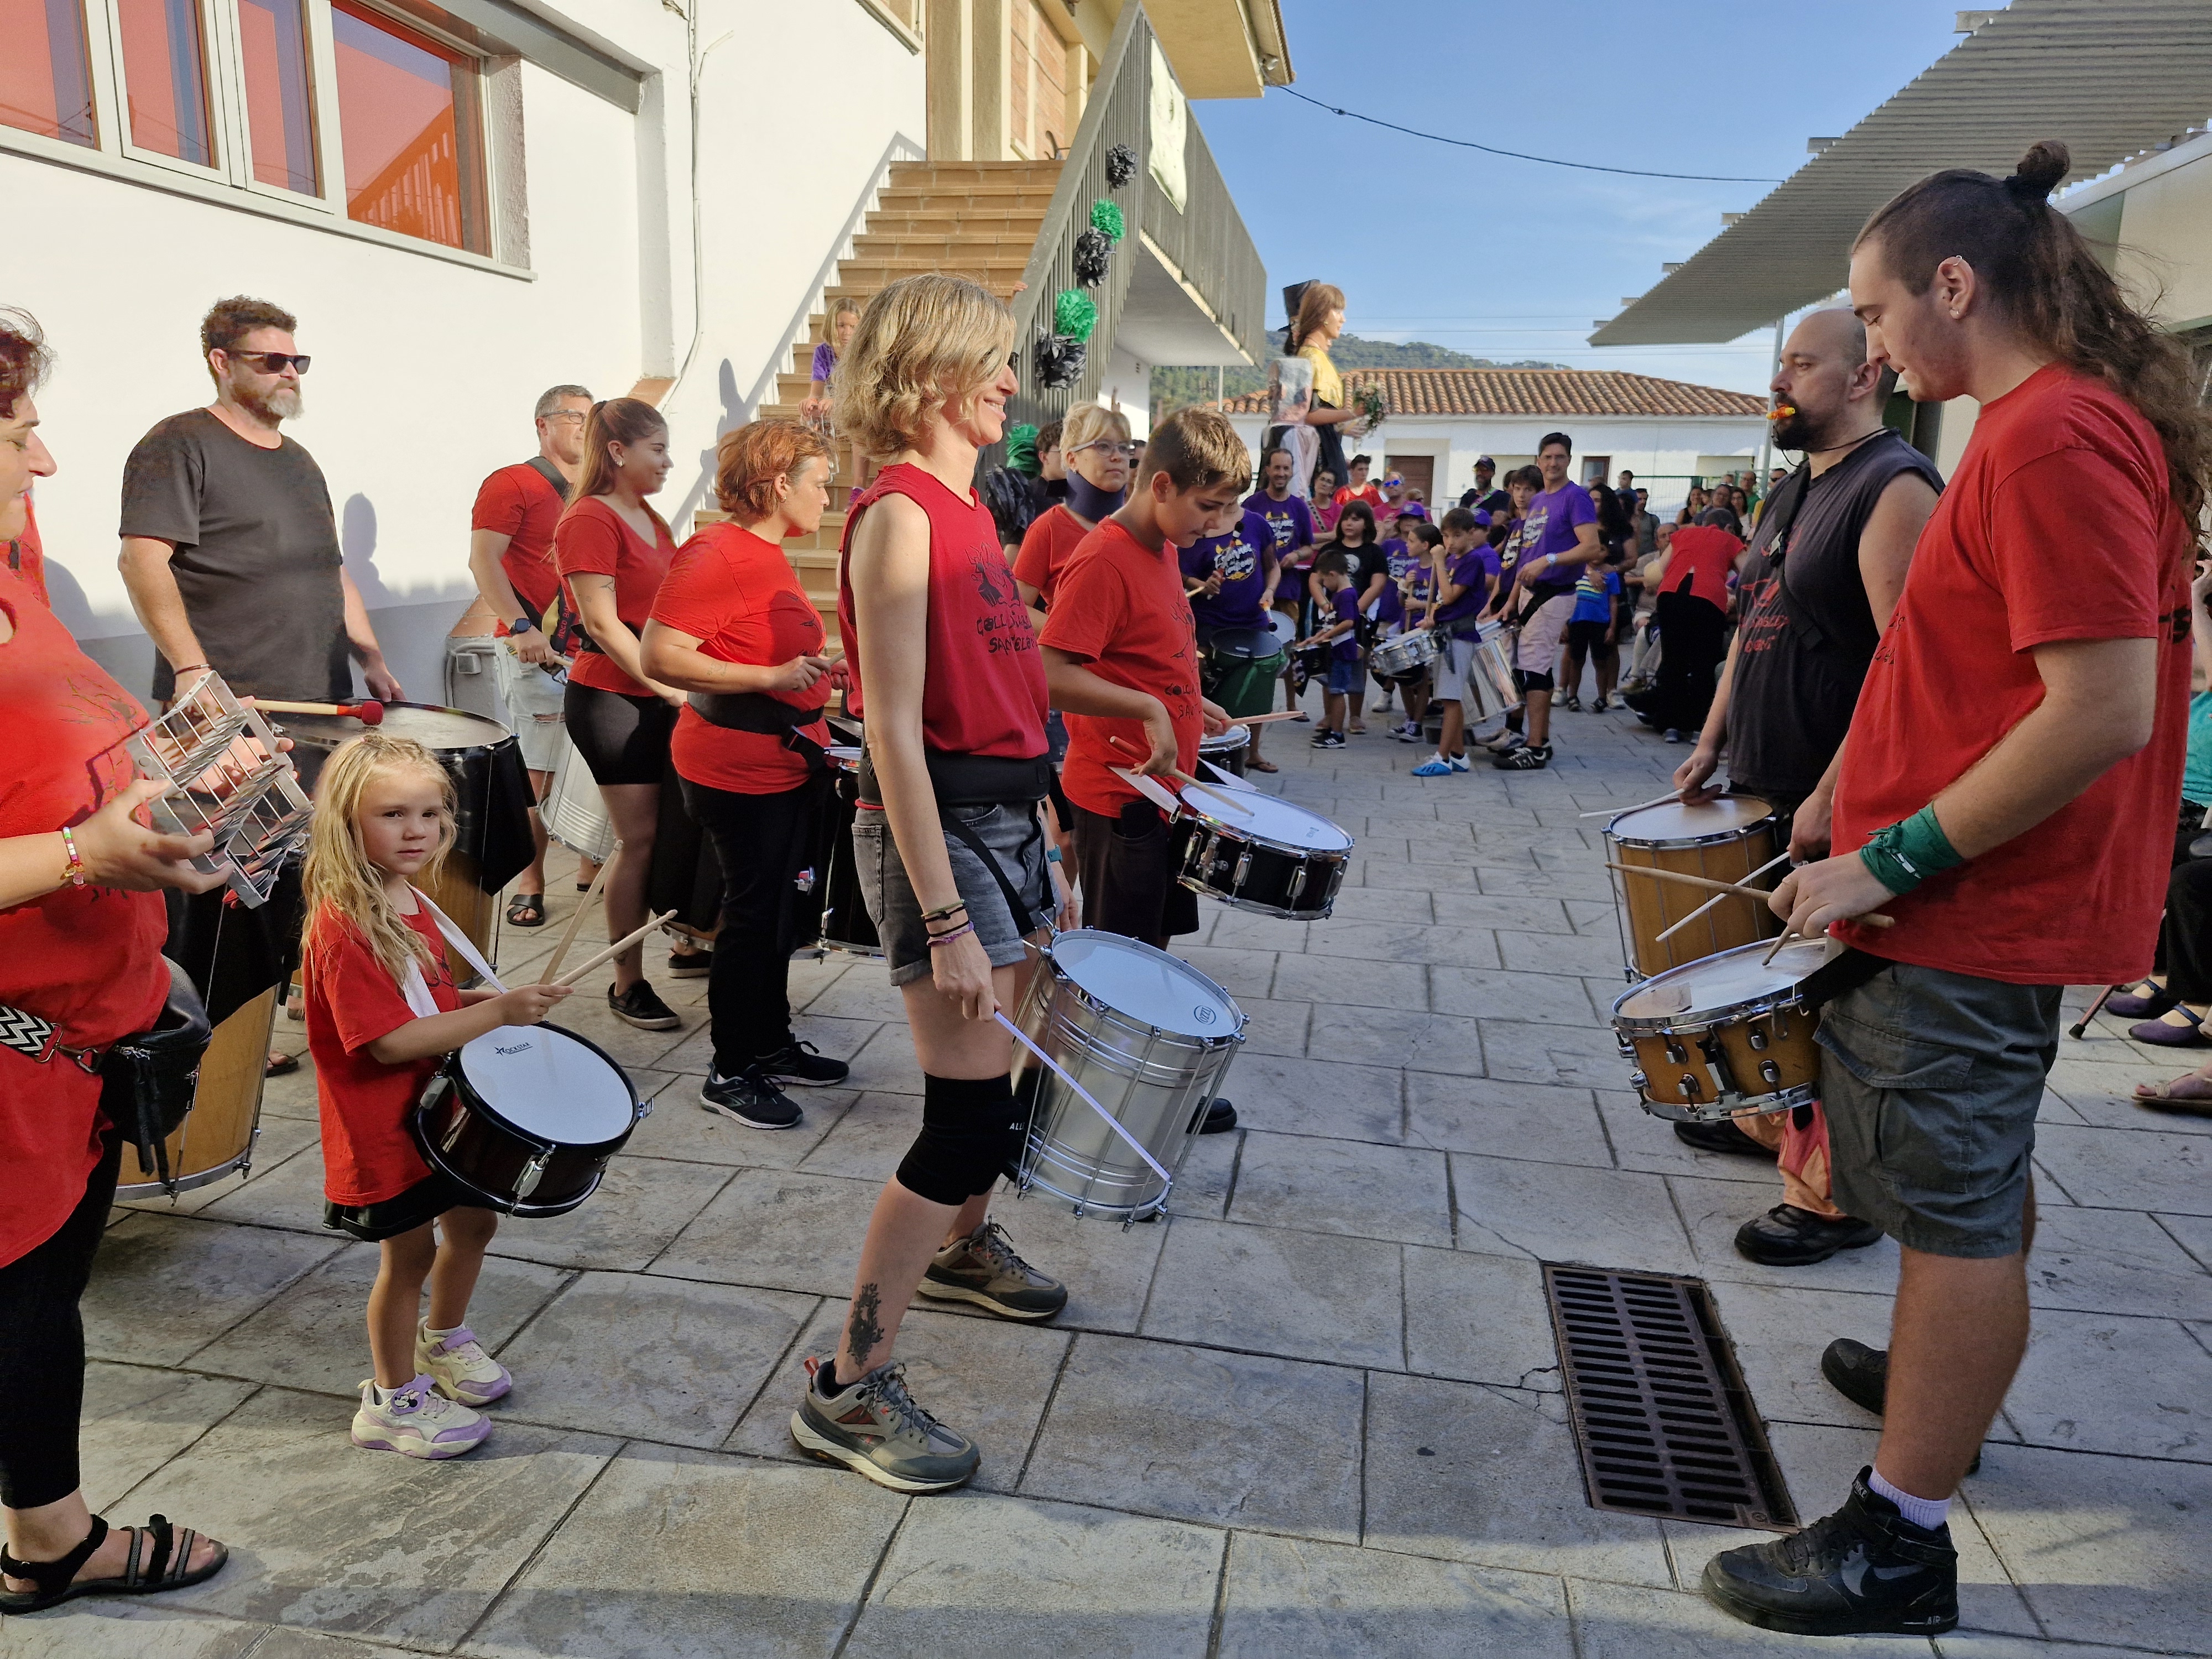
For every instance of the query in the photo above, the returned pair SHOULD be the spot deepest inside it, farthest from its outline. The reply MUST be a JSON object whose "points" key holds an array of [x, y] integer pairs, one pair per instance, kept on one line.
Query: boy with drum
{"points": [[1229, 574]]}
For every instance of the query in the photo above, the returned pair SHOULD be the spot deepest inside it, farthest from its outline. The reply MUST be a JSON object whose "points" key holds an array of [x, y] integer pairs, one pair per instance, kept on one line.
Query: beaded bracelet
{"points": [[943, 911], [75, 870], [949, 935]]}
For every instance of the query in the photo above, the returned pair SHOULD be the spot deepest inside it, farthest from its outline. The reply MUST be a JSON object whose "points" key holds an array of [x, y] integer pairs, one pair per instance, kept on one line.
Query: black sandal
{"points": [[144, 1574], [526, 910]]}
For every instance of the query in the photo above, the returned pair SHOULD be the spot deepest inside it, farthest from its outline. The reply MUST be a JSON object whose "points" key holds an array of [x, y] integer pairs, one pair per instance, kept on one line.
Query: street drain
{"points": [[1662, 1419]]}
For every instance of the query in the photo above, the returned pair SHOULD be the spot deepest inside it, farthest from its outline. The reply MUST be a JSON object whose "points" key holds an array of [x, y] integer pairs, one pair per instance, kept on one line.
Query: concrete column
{"points": [[992, 54], [951, 67]]}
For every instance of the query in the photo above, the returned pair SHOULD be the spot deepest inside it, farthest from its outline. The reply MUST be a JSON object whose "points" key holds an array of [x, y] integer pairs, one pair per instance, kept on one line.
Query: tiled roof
{"points": [[1541, 392]]}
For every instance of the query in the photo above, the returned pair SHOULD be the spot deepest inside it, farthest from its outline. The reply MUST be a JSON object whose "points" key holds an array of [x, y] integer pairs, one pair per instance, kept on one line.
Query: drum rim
{"points": [[1745, 1105], [1254, 905], [477, 1104], [131, 1191], [1707, 1019], [1720, 838], [1061, 976], [316, 741], [1200, 815]]}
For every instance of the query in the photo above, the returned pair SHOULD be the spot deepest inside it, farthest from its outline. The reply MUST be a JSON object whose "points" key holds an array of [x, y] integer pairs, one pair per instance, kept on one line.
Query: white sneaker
{"points": [[417, 1421], [457, 1362]]}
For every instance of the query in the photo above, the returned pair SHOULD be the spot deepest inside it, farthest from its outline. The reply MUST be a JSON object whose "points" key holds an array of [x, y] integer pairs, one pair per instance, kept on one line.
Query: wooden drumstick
{"points": [[1872, 918], [612, 950], [1615, 811], [1779, 858], [1190, 782], [568, 933], [1299, 715]]}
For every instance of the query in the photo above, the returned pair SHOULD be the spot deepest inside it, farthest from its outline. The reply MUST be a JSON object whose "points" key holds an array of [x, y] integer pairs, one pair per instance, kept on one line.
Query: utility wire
{"points": [[1517, 155]]}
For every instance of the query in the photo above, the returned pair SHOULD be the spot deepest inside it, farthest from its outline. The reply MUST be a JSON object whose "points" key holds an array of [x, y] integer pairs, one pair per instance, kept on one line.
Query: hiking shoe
{"points": [[1439, 768], [750, 1098], [689, 964], [983, 1268], [874, 1426], [417, 1421], [641, 1007], [1787, 1237], [1528, 757], [803, 1064], [458, 1364], [1862, 1570]]}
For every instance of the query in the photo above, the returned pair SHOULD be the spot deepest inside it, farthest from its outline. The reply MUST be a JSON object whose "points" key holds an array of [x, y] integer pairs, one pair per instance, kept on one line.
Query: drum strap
{"points": [[415, 989], [1024, 915]]}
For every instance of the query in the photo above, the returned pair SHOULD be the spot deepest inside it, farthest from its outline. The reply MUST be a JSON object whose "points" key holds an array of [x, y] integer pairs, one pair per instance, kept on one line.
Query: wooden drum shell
{"points": [[1648, 907]]}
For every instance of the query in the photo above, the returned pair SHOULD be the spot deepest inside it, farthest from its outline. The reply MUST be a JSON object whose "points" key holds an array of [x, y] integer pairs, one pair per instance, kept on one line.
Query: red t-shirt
{"points": [[1052, 537], [1703, 553], [25, 555], [87, 958], [1369, 493], [519, 503], [368, 1155], [2056, 526], [984, 691], [737, 594], [1121, 607], [594, 540]]}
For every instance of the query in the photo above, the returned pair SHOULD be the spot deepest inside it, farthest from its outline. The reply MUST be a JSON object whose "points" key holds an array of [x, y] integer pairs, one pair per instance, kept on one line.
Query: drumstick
{"points": [[568, 933], [612, 950], [1190, 782], [1611, 811], [369, 713], [1778, 858], [1281, 714], [1873, 918]]}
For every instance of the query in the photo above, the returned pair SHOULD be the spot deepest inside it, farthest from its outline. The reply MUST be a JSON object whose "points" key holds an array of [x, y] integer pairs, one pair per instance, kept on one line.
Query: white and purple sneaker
{"points": [[457, 1362], [417, 1421]]}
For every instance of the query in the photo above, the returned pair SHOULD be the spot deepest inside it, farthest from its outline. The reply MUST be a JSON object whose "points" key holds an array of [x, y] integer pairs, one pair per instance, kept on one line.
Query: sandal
{"points": [[526, 910], [165, 1567], [2190, 1092], [280, 1064], [1255, 764]]}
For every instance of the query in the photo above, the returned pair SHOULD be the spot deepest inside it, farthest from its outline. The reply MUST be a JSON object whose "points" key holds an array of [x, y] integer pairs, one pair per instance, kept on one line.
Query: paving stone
{"points": [[1501, 993], [164, 1287], [779, 1229], [1343, 1187], [314, 1336], [1244, 973], [1248, 930], [135, 1420], [2192, 1232], [1489, 1476], [869, 1140], [1349, 942], [1275, 1028], [1525, 1051], [1963, 1644], [690, 1555], [1641, 1141], [1291, 1596], [1479, 1318], [863, 993], [1324, 1098], [1538, 914], [365, 1543], [281, 1140], [1621, 1622], [2117, 1108], [1107, 1269], [1560, 953], [109, 1629], [587, 1015], [1558, 1213], [1376, 985], [290, 1195], [1267, 1290], [680, 1127], [1201, 1187], [641, 1205], [1384, 904], [292, 1096], [887, 1063], [1398, 875], [1714, 1210], [1230, 1439], [975, 1574], [1396, 1038], [2113, 1261], [2129, 1169], [2102, 1383], [1509, 1119], [313, 1644], [1779, 1332]]}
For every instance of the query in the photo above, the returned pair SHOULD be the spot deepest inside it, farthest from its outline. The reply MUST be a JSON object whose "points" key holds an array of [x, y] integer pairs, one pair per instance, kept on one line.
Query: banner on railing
{"points": [[1171, 129]]}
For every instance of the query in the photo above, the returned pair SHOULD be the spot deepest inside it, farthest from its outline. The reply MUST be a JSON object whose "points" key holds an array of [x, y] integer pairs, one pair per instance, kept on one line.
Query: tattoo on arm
{"points": [[863, 1330]]}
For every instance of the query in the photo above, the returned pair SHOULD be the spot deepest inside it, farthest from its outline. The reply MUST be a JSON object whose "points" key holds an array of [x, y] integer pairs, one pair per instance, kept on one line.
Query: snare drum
{"points": [[1723, 840], [1228, 750], [525, 1117], [1490, 673], [1404, 656], [1259, 853], [1728, 1036], [1150, 1038]]}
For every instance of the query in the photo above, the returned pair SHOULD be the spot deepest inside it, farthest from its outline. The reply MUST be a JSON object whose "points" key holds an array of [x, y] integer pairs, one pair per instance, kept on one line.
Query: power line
{"points": [[1517, 155]]}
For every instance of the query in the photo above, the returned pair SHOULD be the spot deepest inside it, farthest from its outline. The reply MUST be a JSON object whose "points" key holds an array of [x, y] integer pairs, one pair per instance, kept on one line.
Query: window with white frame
{"points": [[337, 105]]}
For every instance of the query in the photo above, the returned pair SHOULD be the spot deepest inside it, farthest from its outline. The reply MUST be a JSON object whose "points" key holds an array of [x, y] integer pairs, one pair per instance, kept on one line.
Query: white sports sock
{"points": [[1929, 1512], [437, 1335]]}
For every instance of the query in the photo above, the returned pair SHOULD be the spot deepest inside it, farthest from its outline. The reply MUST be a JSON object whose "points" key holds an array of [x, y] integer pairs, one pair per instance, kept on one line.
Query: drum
{"points": [[1239, 667], [1490, 673], [525, 1117], [1262, 853], [1723, 840], [846, 923], [492, 842], [1150, 1038], [218, 1135], [1728, 1036], [1228, 750], [1309, 662], [575, 814], [1404, 656]]}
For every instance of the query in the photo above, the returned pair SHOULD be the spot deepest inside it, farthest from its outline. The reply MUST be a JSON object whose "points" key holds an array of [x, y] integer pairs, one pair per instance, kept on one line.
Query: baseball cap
{"points": [[1485, 460]]}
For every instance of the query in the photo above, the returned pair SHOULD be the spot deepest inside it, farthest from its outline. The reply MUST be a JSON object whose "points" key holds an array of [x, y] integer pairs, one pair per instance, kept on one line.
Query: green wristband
{"points": [[1905, 854]]}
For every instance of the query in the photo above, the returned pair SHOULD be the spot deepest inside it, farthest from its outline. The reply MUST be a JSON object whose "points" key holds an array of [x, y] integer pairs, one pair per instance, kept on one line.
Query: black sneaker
{"points": [[1857, 1372], [1574, 703], [1864, 1570], [1722, 1137], [689, 964], [1601, 705], [1220, 1117], [751, 1099], [803, 1064], [641, 1007], [1528, 757], [1787, 1237]]}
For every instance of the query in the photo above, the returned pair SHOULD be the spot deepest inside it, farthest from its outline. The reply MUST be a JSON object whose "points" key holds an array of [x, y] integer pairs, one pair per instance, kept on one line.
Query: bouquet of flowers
{"points": [[1372, 405]]}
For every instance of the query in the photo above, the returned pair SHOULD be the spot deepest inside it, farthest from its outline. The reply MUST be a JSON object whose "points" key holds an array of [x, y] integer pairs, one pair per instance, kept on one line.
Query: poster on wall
{"points": [[1170, 127]]}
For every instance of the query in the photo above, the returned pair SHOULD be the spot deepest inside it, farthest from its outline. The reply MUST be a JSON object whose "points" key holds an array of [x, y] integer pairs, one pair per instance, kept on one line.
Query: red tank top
{"points": [[984, 692], [1703, 554]]}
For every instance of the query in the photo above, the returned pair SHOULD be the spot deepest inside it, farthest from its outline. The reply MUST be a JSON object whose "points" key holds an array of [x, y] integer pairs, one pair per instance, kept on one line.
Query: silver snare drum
{"points": [[1150, 1038], [1228, 750], [1403, 655], [1490, 675]]}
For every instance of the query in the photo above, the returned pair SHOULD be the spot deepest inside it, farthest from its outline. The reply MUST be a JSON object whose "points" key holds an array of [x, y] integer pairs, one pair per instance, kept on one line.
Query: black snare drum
{"points": [[1260, 853], [525, 1117]]}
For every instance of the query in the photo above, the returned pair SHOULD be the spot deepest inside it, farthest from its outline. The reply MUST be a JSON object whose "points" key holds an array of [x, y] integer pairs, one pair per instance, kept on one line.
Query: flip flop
{"points": [[281, 1064]]}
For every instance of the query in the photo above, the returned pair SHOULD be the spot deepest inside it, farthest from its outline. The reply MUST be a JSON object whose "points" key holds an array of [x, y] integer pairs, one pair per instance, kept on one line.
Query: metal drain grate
{"points": [[1662, 1417]]}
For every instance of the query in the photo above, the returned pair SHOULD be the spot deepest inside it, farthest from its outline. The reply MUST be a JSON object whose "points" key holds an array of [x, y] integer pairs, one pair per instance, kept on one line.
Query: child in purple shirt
{"points": [[844, 320], [1471, 572], [1333, 571]]}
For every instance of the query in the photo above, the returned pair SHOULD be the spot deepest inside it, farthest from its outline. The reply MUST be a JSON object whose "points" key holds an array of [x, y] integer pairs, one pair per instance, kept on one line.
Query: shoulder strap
{"points": [[545, 470], [416, 990]]}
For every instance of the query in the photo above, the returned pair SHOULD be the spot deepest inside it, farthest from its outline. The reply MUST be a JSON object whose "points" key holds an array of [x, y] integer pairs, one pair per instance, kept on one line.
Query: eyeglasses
{"points": [[576, 416], [273, 362], [1131, 450]]}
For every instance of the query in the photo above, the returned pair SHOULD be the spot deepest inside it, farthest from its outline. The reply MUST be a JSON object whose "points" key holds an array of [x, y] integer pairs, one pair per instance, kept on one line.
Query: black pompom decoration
{"points": [[1121, 165], [1057, 361], [1093, 252]]}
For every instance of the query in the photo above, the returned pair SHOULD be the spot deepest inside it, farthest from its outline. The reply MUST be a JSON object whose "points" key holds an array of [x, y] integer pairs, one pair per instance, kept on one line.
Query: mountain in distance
{"points": [[1179, 388]]}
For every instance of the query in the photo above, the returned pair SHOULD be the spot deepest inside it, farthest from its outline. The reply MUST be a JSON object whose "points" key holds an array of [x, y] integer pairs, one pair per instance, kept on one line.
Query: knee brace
{"points": [[971, 1128]]}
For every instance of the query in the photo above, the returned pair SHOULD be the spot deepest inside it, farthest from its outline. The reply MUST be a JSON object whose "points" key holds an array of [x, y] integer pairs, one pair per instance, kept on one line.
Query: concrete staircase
{"points": [[976, 219]]}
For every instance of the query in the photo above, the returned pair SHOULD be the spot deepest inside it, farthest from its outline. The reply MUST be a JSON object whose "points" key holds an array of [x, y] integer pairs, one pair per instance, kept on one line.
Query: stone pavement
{"points": [[1315, 1412]]}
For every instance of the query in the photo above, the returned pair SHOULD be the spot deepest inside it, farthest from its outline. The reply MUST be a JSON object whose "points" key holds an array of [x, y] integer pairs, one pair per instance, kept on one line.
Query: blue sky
{"points": [[1511, 259]]}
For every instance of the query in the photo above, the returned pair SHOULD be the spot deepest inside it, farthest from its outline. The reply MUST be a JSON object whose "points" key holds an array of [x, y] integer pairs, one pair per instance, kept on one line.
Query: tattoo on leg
{"points": [[863, 1330]]}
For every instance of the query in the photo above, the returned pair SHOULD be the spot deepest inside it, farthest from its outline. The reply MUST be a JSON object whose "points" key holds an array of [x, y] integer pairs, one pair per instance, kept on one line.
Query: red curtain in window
{"points": [[272, 39], [46, 80], [165, 77], [409, 164]]}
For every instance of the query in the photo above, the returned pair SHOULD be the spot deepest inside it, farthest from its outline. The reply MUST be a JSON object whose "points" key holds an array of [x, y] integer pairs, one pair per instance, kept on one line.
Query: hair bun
{"points": [[2039, 172]]}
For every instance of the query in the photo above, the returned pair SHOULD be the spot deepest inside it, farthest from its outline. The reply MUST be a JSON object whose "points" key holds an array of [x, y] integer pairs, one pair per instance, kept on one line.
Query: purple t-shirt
{"points": [[1391, 609], [1346, 646], [1475, 570], [825, 361], [1239, 556], [1550, 528], [1289, 520]]}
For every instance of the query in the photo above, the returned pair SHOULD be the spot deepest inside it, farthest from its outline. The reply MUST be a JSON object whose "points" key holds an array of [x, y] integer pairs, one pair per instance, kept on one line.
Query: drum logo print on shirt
{"points": [[1005, 624], [1236, 560]]}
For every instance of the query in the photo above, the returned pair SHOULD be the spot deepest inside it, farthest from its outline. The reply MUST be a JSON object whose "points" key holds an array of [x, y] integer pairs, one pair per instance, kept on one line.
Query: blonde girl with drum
{"points": [[948, 845]]}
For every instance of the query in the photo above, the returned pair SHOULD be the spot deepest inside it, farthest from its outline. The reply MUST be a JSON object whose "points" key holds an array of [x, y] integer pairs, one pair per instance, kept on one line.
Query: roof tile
{"points": [[1542, 392]]}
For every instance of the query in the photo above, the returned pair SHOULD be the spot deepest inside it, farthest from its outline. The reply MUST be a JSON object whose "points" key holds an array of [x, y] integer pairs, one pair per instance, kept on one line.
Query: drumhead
{"points": [[1283, 626], [1243, 644], [1713, 985], [1270, 817], [1228, 743], [1145, 985], [550, 1084], [434, 727], [1678, 820]]}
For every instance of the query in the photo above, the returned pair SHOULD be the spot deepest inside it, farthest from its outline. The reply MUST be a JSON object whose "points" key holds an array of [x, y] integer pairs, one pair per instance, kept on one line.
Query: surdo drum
{"points": [[1728, 1036]]}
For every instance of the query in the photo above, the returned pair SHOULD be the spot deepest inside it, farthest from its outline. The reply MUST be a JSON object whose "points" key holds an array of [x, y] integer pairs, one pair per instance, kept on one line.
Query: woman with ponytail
{"points": [[2006, 798]]}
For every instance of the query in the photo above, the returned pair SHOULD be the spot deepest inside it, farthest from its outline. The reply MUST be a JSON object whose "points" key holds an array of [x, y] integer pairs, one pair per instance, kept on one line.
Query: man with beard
{"points": [[1822, 576], [230, 549]]}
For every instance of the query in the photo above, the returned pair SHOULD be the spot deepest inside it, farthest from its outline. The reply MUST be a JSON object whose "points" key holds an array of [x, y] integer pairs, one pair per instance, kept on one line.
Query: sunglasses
{"points": [[273, 362]]}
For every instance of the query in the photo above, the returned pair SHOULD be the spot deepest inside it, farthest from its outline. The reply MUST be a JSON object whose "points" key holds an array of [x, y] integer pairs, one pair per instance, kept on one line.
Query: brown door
{"points": [[1419, 472]]}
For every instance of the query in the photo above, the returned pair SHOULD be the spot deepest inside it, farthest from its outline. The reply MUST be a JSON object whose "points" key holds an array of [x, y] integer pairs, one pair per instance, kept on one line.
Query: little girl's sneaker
{"points": [[457, 1362], [417, 1421]]}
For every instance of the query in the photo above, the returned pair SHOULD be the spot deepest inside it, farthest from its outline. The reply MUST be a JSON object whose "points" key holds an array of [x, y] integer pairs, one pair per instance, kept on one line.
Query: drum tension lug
{"points": [[1769, 1072], [1757, 1039], [533, 1173], [1689, 1088]]}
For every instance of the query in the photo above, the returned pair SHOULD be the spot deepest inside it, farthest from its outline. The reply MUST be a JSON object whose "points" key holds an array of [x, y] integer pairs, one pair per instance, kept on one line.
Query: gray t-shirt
{"points": [[258, 560]]}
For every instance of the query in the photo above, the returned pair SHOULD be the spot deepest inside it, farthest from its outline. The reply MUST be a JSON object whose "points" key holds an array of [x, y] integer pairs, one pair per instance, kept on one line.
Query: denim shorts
{"points": [[1014, 838], [1931, 1081], [1345, 678], [533, 698]]}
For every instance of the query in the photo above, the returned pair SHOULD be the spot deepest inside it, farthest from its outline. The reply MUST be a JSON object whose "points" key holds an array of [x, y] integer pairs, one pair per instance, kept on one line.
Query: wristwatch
{"points": [[521, 625]]}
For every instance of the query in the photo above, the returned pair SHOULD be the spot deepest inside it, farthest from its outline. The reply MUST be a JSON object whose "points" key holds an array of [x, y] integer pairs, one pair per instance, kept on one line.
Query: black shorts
{"points": [[623, 739], [1588, 636], [1125, 865], [426, 1200]]}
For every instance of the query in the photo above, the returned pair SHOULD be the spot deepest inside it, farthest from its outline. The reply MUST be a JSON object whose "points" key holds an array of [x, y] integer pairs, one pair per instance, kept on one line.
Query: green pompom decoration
{"points": [[1021, 448], [1107, 217], [1074, 314]]}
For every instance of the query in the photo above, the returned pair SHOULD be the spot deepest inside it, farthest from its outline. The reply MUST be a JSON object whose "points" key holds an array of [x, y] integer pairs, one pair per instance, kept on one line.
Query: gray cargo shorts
{"points": [[1014, 839], [1932, 1080]]}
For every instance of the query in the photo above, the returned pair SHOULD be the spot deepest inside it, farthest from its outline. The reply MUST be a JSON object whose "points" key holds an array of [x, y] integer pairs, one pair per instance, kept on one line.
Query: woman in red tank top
{"points": [[947, 843]]}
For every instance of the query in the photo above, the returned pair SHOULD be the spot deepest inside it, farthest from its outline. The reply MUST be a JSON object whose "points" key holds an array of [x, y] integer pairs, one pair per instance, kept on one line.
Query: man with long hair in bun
{"points": [[2007, 787]]}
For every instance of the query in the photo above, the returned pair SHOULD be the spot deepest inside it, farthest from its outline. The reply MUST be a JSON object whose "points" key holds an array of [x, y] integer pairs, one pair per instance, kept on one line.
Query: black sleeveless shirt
{"points": [[1809, 635]]}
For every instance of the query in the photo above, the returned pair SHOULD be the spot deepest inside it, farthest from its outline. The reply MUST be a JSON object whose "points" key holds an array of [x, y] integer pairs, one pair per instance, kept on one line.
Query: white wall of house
{"points": [[426, 368]]}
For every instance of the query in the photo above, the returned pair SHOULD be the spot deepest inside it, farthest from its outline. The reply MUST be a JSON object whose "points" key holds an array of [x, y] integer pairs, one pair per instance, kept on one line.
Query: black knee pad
{"points": [[970, 1128], [1534, 680]]}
